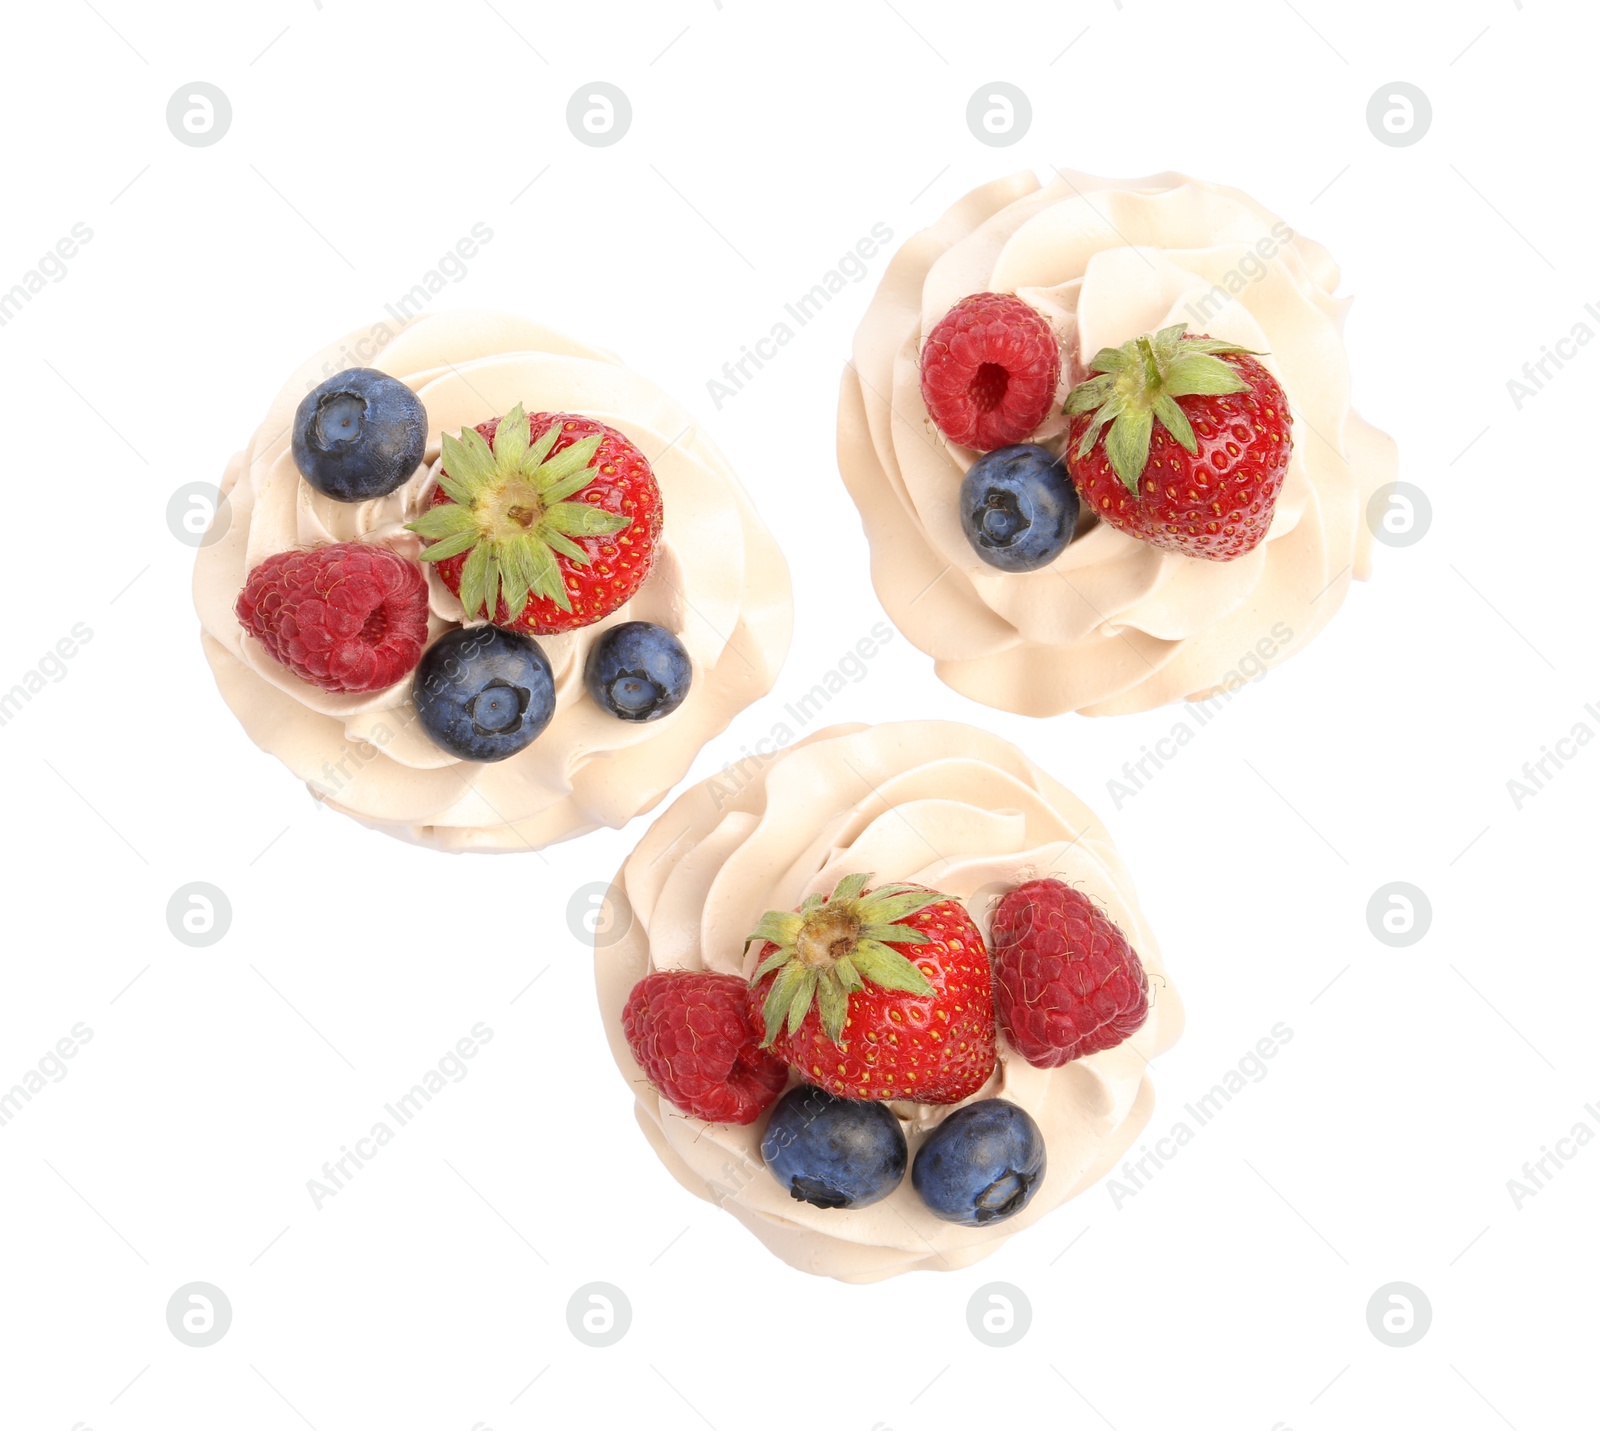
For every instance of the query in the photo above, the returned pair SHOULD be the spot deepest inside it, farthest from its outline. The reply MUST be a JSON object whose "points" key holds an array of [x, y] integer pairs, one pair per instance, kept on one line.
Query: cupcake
{"points": [[1100, 435], [483, 587], [888, 1001]]}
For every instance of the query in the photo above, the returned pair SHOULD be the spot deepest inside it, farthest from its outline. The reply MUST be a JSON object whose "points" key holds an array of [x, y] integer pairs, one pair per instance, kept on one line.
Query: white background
{"points": [[767, 139]]}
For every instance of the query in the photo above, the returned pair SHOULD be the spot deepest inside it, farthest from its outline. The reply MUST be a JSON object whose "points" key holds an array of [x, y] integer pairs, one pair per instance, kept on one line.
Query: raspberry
{"points": [[1066, 981], [989, 371], [693, 1035], [346, 617]]}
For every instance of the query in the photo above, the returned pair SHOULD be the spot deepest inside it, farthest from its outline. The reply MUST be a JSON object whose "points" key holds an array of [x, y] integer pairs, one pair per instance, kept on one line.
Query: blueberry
{"points": [[981, 1165], [483, 692], [359, 435], [1018, 507], [833, 1152], [638, 671]]}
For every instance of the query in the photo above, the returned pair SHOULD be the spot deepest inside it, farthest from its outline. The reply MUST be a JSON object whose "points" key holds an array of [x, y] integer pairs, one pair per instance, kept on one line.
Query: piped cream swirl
{"points": [[1113, 625], [943, 805], [719, 583]]}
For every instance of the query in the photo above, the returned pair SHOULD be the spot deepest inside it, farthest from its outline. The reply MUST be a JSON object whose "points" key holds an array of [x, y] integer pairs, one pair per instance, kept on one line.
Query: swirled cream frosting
{"points": [[937, 804], [719, 583], [1113, 625]]}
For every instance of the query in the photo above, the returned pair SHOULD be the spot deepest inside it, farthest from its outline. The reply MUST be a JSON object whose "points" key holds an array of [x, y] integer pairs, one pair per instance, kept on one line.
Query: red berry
{"points": [[883, 1003], [516, 521], [347, 617], [1215, 502], [989, 371], [1066, 981], [693, 1035]]}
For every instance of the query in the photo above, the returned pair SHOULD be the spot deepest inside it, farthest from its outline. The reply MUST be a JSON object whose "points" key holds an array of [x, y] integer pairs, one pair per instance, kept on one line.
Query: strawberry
{"points": [[543, 523], [693, 1035], [1067, 983], [1196, 443], [861, 1019], [989, 371]]}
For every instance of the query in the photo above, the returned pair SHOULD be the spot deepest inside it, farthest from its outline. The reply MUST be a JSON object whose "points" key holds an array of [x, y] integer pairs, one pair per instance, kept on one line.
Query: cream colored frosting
{"points": [[719, 583], [939, 804], [1113, 625]]}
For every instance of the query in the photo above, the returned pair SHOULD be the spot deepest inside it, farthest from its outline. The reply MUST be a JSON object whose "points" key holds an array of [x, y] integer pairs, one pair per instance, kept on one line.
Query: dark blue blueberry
{"points": [[638, 671], [1018, 507], [483, 692], [834, 1152], [981, 1165], [359, 435]]}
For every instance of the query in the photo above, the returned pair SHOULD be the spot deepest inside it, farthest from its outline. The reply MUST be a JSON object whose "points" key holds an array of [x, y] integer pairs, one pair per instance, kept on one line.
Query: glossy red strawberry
{"points": [[1181, 441], [1066, 981], [545, 523], [881, 993]]}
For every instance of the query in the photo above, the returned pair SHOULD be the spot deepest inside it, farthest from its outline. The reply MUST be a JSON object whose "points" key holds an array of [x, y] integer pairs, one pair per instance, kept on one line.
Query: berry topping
{"points": [[1018, 507], [483, 693], [638, 671], [359, 435], [1182, 442], [544, 523], [1066, 981], [862, 1018], [346, 617], [989, 371], [693, 1036], [982, 1164], [833, 1152]]}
